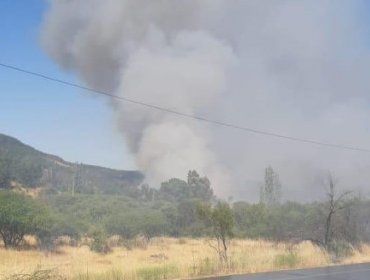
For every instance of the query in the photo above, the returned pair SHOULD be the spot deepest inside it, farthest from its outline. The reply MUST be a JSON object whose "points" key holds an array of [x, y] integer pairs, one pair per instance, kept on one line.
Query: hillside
{"points": [[24, 165]]}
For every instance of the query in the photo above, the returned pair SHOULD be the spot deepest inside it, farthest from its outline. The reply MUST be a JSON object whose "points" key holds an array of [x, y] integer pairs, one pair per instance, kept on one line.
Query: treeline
{"points": [[177, 209], [171, 210]]}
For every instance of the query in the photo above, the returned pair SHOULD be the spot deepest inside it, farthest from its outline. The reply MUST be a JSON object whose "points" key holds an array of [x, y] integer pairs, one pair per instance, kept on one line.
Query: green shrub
{"points": [[99, 242], [289, 260], [157, 272], [21, 215]]}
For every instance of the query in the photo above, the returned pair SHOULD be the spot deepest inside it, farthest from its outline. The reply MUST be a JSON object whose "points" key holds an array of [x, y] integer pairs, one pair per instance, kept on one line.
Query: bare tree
{"points": [[335, 203]]}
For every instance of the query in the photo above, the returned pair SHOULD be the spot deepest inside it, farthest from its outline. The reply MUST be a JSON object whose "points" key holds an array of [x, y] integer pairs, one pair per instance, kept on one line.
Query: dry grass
{"points": [[361, 255], [167, 258]]}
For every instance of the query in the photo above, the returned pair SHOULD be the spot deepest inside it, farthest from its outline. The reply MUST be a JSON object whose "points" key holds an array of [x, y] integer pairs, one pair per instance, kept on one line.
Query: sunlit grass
{"points": [[168, 258]]}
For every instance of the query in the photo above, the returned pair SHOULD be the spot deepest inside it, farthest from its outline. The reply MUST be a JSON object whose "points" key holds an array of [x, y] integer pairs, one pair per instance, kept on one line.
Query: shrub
{"points": [[21, 215], [289, 260], [99, 242], [339, 249], [157, 272]]}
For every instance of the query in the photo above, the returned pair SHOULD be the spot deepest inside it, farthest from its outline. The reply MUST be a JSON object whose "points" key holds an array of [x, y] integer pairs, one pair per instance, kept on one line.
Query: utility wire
{"points": [[189, 116]]}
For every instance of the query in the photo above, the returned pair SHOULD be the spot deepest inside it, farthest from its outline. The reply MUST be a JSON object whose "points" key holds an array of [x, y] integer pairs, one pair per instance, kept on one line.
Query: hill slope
{"points": [[29, 167]]}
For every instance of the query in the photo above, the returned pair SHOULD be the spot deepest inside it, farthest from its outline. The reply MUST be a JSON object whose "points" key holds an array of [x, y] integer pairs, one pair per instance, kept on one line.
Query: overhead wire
{"points": [[182, 114]]}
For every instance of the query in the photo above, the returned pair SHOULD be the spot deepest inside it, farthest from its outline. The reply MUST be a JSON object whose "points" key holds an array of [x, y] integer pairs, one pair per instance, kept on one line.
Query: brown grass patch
{"points": [[167, 258]]}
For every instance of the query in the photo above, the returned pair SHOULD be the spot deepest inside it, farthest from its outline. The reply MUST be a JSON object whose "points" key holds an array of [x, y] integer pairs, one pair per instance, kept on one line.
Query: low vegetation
{"points": [[117, 233], [166, 258]]}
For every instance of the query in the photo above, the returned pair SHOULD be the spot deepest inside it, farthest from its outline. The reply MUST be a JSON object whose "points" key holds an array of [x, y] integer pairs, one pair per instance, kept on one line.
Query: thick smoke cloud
{"points": [[292, 67]]}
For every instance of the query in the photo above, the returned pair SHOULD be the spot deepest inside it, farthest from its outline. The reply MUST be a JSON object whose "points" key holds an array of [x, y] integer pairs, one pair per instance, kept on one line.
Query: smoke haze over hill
{"points": [[291, 67]]}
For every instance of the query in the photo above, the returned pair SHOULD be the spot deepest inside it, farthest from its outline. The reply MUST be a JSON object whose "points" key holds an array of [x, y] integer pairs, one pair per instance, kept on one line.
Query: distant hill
{"points": [[22, 164]]}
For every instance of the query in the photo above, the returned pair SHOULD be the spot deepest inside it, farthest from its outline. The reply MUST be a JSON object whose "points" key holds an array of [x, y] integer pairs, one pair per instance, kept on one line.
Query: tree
{"points": [[21, 215], [221, 222], [251, 220], [200, 186], [334, 204], [46, 226], [195, 187], [271, 190], [174, 190]]}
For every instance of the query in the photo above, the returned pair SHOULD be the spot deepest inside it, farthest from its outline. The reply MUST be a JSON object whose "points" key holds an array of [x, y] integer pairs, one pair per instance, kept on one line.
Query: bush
{"points": [[21, 215], [289, 260], [99, 242], [157, 272], [339, 249]]}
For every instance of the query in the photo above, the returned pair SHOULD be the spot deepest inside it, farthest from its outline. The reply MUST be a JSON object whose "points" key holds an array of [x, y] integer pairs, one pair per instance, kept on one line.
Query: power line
{"points": [[174, 112]]}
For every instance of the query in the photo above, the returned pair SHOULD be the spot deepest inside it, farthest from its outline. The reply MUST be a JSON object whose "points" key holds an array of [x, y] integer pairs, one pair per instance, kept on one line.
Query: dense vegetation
{"points": [[21, 215], [19, 162], [178, 208], [28, 167]]}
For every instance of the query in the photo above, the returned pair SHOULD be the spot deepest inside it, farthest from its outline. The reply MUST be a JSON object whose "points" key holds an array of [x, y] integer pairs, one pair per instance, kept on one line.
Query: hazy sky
{"points": [[290, 67], [50, 117]]}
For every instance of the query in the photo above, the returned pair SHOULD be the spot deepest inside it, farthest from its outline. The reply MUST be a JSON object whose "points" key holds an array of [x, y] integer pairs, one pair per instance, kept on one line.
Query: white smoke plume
{"points": [[292, 67]]}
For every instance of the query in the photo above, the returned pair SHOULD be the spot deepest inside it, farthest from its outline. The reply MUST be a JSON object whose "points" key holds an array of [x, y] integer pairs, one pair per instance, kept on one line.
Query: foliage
{"points": [[99, 242], [220, 221], [251, 220], [196, 187], [158, 272], [21, 215], [288, 260], [128, 217], [340, 249], [49, 227], [200, 187], [115, 202]]}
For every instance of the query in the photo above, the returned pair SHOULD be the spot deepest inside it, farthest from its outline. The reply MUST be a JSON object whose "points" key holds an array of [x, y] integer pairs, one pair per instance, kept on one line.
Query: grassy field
{"points": [[165, 258]]}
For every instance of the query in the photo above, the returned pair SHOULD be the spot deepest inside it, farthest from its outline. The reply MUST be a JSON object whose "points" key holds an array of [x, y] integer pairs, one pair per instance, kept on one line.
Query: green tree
{"points": [[200, 187], [99, 242], [21, 215], [219, 219], [46, 226], [251, 220], [174, 190]]}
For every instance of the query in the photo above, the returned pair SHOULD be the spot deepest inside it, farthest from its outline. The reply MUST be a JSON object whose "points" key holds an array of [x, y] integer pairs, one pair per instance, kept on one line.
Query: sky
{"points": [[289, 67], [52, 118]]}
